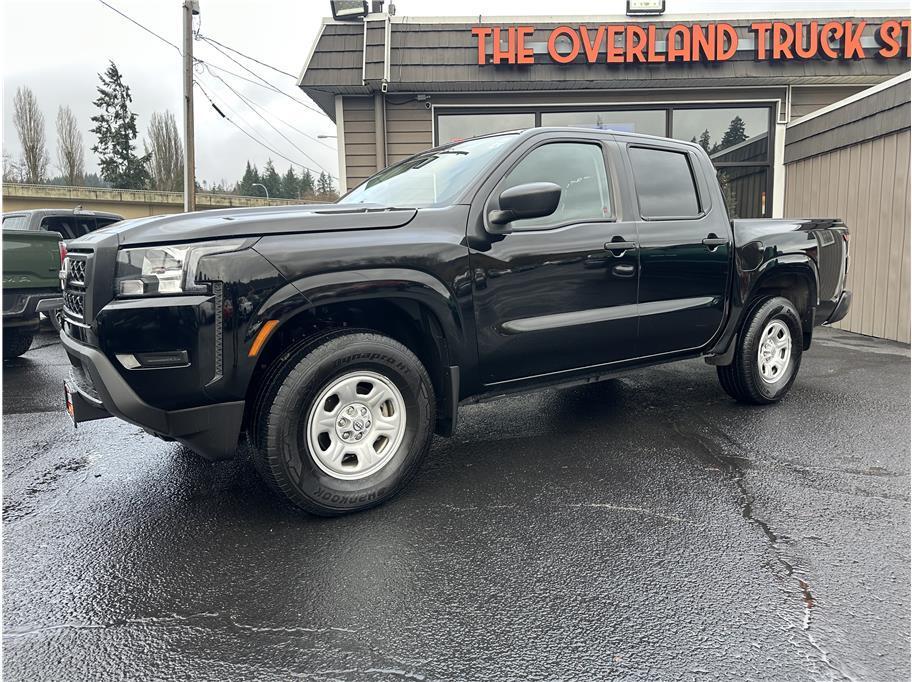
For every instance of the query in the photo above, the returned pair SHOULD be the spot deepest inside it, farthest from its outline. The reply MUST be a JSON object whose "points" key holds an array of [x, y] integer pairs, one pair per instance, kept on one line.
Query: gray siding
{"points": [[866, 183], [375, 51], [338, 58], [408, 129], [360, 139], [806, 100], [881, 113]]}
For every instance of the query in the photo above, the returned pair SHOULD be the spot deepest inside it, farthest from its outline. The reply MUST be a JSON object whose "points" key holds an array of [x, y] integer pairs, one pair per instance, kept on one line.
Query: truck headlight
{"points": [[162, 270]]}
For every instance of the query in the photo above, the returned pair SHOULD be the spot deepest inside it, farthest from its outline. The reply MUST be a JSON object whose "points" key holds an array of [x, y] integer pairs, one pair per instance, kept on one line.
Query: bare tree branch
{"points": [[165, 152], [70, 152], [29, 122]]}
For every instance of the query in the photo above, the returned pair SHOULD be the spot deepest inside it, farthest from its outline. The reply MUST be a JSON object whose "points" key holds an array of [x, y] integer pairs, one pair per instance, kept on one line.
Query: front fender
{"points": [[312, 291]]}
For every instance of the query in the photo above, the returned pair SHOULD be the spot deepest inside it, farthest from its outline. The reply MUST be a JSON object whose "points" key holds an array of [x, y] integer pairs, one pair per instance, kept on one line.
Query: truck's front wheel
{"points": [[345, 426], [768, 355], [16, 342]]}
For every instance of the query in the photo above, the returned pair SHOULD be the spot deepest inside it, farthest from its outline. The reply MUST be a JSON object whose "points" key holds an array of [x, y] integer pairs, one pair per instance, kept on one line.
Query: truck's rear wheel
{"points": [[345, 425], [16, 342], [768, 355]]}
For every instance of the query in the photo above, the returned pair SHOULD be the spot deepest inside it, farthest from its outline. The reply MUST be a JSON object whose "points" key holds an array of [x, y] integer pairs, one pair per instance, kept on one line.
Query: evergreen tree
{"points": [[308, 189], [325, 189], [271, 179], [291, 187], [251, 177], [115, 128], [735, 133], [705, 140]]}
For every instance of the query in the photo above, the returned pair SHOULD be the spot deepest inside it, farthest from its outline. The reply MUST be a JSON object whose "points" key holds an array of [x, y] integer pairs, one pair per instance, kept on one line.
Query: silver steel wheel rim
{"points": [[774, 353], [355, 425]]}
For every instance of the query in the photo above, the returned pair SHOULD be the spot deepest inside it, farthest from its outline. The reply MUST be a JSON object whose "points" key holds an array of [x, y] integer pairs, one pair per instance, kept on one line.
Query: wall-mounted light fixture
{"points": [[347, 10], [639, 8]]}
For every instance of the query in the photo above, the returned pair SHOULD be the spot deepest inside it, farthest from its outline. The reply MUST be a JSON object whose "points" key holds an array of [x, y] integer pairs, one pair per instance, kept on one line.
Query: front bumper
{"points": [[97, 390]]}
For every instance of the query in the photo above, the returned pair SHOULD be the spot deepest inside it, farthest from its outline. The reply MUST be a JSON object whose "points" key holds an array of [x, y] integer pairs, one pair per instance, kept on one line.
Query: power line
{"points": [[258, 141], [267, 121], [252, 102], [263, 84], [247, 56], [262, 81], [249, 103], [144, 28]]}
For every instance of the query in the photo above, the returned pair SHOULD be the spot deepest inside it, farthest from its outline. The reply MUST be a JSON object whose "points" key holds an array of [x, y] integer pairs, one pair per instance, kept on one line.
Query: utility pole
{"points": [[191, 8]]}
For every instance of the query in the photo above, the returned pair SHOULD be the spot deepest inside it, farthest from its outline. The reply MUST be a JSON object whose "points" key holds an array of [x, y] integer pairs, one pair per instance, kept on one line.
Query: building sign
{"points": [[710, 42]]}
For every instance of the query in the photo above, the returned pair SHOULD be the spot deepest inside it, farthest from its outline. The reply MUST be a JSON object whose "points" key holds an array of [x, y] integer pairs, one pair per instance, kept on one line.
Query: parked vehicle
{"points": [[340, 338], [69, 222], [31, 285]]}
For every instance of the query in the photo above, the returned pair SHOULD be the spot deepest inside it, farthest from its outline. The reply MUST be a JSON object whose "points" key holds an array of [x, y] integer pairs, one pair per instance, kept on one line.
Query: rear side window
{"points": [[15, 222], [664, 184]]}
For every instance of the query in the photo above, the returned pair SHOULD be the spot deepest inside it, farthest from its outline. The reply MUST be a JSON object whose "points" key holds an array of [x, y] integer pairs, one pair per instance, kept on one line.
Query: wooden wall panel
{"points": [[867, 185]]}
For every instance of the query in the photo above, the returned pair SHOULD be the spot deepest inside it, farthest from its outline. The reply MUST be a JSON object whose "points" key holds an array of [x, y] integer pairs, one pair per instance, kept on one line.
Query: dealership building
{"points": [[801, 115]]}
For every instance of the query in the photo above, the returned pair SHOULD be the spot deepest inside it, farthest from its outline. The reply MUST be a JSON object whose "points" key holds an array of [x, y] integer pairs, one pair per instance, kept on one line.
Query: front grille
{"points": [[77, 271], [74, 286], [74, 303]]}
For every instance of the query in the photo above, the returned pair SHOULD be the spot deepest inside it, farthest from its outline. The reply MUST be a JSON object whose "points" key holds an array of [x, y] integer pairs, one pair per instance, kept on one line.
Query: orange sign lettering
{"points": [[712, 42]]}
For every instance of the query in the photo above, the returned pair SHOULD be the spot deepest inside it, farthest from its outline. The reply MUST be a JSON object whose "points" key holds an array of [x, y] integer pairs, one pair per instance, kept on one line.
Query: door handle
{"points": [[712, 242], [618, 247]]}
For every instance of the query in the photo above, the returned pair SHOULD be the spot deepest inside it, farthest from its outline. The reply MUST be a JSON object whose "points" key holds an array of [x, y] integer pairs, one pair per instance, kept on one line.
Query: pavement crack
{"points": [[732, 470]]}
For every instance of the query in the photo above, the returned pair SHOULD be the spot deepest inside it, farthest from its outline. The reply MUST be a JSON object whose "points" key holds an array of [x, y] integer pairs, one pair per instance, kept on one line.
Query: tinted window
{"points": [[15, 222], [104, 222], [664, 184], [84, 224], [579, 170], [65, 225], [646, 122], [458, 127]]}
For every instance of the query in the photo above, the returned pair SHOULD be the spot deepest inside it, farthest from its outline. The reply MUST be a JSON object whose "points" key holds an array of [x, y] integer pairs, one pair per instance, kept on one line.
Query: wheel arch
{"points": [[409, 306], [792, 276]]}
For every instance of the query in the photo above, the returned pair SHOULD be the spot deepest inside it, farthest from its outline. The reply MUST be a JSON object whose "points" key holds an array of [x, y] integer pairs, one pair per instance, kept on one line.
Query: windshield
{"points": [[432, 179]]}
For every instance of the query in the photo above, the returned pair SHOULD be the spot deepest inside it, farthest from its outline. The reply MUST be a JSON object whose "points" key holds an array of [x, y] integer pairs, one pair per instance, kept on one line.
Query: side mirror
{"points": [[532, 200]]}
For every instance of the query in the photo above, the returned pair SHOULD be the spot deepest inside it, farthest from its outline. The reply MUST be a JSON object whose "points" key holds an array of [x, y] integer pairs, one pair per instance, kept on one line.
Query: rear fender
{"points": [[755, 286]]}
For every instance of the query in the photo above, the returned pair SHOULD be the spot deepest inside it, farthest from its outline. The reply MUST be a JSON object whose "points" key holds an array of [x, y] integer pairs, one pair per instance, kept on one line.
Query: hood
{"points": [[250, 222]]}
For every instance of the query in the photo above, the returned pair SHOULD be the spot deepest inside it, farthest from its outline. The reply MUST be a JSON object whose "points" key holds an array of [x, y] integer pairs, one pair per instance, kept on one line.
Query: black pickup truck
{"points": [[337, 339]]}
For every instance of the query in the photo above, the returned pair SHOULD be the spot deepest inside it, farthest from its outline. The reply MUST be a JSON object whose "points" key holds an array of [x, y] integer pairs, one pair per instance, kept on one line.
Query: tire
{"points": [[16, 342], [343, 423], [55, 321], [768, 355]]}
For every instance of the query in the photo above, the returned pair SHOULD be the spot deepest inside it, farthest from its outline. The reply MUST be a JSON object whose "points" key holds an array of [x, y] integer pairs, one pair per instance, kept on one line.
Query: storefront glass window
{"points": [[727, 135], [456, 127], [646, 122], [744, 190]]}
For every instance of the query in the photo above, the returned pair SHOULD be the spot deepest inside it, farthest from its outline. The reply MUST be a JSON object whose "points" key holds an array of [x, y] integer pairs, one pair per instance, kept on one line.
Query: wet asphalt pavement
{"points": [[645, 528]]}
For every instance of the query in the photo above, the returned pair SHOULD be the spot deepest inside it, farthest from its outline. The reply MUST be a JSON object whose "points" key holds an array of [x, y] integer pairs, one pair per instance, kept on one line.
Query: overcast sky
{"points": [[57, 47]]}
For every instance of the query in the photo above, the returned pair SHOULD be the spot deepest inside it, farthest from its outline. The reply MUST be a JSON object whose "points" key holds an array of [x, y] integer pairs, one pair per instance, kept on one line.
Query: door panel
{"points": [[553, 299], [684, 259]]}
